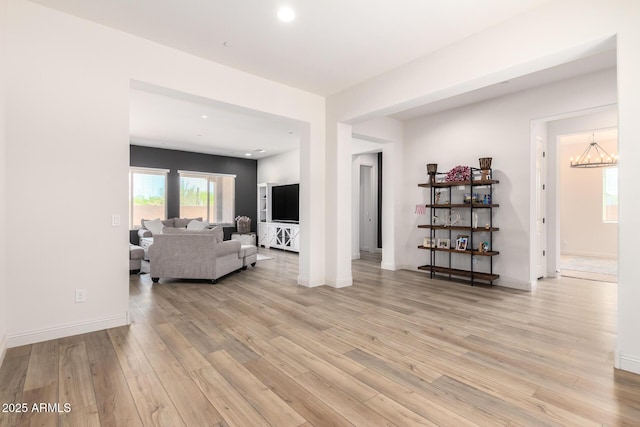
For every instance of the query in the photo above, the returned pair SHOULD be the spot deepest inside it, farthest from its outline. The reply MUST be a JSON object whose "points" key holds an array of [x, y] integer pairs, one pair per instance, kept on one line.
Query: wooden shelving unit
{"points": [[441, 259]]}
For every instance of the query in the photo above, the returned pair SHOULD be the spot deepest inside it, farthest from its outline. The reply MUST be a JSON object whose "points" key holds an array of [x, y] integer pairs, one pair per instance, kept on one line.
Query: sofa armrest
{"points": [[143, 232], [228, 247]]}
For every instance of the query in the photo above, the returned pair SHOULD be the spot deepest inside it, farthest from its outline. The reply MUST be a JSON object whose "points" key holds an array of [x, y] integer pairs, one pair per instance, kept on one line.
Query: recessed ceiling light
{"points": [[204, 116], [248, 154], [286, 14], [260, 150], [198, 134], [290, 132], [227, 44]]}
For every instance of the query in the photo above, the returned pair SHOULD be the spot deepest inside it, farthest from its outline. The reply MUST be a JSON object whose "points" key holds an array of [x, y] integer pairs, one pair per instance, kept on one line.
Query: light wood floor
{"points": [[394, 349]]}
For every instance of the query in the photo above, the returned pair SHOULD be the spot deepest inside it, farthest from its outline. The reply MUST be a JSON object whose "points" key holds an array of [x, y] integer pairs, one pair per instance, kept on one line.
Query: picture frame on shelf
{"points": [[429, 242], [444, 243], [461, 243]]}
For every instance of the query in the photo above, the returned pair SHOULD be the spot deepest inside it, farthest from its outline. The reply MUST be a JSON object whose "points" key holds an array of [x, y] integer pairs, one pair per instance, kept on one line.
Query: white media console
{"points": [[279, 235], [271, 234]]}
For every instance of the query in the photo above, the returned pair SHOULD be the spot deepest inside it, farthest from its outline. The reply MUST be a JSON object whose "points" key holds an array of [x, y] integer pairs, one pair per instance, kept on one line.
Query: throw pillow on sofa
{"points": [[196, 225], [155, 226]]}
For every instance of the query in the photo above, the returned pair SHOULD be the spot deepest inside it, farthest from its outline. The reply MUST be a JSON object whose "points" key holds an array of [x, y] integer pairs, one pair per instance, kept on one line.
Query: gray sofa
{"points": [[183, 254]]}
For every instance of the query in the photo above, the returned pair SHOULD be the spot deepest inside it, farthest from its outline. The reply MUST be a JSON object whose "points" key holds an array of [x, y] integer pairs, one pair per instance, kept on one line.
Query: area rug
{"points": [[589, 268]]}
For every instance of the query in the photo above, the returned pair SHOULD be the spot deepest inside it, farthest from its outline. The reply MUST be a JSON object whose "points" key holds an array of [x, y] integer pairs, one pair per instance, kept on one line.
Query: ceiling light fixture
{"points": [[601, 159], [260, 150], [227, 44], [248, 154], [204, 116], [286, 14]]}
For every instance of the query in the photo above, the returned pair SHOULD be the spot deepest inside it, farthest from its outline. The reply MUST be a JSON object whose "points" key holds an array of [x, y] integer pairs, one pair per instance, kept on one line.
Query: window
{"points": [[147, 195], [610, 195], [210, 196]]}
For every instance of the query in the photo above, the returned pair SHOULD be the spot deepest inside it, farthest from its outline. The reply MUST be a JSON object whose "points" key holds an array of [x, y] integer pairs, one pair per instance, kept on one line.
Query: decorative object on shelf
{"points": [[243, 224], [474, 220], [470, 198], [438, 192], [486, 226], [421, 209], [601, 159], [483, 247], [485, 167], [444, 243], [486, 200], [429, 242], [432, 169], [452, 218], [459, 173]]}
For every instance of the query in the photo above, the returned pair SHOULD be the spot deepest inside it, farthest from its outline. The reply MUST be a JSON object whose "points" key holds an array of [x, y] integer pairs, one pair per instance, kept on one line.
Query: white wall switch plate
{"points": [[81, 295], [115, 220]]}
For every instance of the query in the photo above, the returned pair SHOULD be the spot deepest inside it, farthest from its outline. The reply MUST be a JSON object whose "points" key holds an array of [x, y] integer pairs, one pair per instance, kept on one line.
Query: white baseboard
{"points": [[391, 267], [591, 254], [355, 256], [340, 283], [3, 347], [310, 283], [515, 284], [629, 363], [30, 337]]}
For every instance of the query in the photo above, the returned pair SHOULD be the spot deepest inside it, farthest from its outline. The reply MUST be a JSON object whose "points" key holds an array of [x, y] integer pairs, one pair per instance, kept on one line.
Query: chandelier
{"points": [[594, 157]]}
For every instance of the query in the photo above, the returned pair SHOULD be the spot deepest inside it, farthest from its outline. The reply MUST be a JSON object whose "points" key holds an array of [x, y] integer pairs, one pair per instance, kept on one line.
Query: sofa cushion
{"points": [[155, 226], [197, 225], [165, 222], [184, 222], [218, 232]]}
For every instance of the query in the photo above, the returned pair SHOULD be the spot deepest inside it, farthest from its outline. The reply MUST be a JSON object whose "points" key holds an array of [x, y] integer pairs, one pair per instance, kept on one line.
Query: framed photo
{"points": [[444, 243], [461, 243], [428, 242]]}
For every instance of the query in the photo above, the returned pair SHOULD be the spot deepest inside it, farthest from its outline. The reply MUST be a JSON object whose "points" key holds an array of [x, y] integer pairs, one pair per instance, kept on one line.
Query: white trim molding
{"points": [[629, 363], [392, 267], [340, 283], [310, 283], [61, 331]]}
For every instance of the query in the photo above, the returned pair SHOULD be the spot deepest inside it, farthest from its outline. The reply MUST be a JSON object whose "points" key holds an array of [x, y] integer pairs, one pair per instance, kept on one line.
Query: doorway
{"points": [[366, 209], [589, 208]]}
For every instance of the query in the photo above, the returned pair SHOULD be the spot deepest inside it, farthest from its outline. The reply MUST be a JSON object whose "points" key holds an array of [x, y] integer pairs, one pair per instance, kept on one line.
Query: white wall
{"points": [[68, 139], [3, 207], [510, 50], [499, 128], [280, 169], [582, 230]]}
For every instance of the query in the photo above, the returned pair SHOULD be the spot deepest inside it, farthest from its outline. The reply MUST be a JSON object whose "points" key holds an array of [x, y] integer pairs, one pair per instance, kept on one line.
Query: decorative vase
{"points": [[244, 226], [485, 167], [432, 169]]}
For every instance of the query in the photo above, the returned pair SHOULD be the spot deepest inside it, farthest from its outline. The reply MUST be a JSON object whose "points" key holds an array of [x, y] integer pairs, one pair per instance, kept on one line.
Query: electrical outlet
{"points": [[115, 220], [81, 295]]}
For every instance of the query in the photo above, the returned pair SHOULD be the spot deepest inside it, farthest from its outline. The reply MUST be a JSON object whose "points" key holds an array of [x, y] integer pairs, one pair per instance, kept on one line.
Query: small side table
{"points": [[245, 238]]}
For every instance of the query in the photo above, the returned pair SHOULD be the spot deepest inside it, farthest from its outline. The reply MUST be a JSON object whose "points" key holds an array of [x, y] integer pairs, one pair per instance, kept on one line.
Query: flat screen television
{"points": [[285, 205]]}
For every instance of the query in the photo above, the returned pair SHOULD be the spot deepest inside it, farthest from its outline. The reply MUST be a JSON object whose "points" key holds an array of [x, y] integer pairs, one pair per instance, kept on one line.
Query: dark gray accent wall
{"points": [[246, 171]]}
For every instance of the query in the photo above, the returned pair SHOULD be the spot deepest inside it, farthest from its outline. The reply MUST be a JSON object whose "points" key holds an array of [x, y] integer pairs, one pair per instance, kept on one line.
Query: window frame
{"points": [[147, 171], [207, 176]]}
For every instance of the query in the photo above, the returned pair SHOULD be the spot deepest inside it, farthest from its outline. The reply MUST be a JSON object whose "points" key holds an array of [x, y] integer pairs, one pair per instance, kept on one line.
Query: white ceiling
{"points": [[330, 46], [164, 118]]}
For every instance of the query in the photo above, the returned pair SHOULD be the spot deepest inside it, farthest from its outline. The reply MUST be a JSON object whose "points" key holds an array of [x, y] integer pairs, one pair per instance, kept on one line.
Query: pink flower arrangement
{"points": [[459, 173]]}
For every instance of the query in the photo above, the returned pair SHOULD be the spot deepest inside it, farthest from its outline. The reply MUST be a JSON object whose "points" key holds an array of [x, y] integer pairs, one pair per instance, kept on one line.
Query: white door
{"points": [[541, 209]]}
